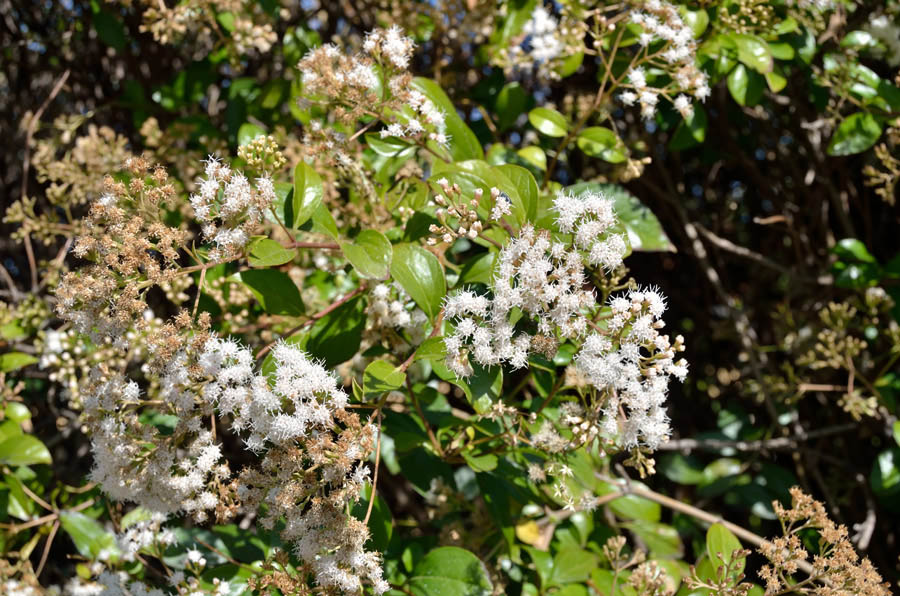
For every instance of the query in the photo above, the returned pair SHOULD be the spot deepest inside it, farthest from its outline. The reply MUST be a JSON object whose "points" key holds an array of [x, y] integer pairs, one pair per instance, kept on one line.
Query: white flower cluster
{"points": [[144, 534], [312, 469], [590, 217], [542, 46], [390, 306], [631, 365], [390, 44], [166, 479], [661, 22], [887, 32], [302, 397], [228, 207], [542, 28], [541, 278]]}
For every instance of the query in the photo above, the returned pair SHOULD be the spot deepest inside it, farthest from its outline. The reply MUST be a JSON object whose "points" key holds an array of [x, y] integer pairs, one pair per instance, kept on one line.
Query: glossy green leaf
{"points": [[11, 361], [527, 186], [109, 29], [856, 133], [852, 249], [308, 194], [745, 85], [17, 412], [450, 571], [24, 450], [265, 252], [548, 121], [381, 377], [335, 338], [480, 463], [274, 290], [370, 254], [249, 131], [662, 540], [572, 564], [885, 477], [421, 275], [478, 269], [601, 142], [512, 101], [534, 155], [754, 52], [697, 20], [90, 538]]}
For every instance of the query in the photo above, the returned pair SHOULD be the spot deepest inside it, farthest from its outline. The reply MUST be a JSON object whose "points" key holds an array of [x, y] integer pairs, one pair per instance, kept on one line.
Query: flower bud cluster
{"points": [[463, 211]]}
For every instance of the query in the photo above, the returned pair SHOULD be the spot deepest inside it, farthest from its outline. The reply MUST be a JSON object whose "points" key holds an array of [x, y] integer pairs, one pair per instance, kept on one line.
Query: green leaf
{"points": [[691, 131], [534, 155], [308, 194], [390, 147], [885, 477], [463, 142], [526, 185], [550, 122], [381, 377], [634, 507], [17, 412], [370, 254], [662, 540], [601, 142], [697, 20], [90, 538], [478, 270], [15, 360], [481, 463], [851, 249], [720, 544], [645, 233], [896, 432], [745, 85], [24, 450], [754, 52], [109, 29], [511, 103], [274, 290], [421, 275], [322, 222], [572, 564], [335, 338], [856, 133], [450, 571], [265, 252], [249, 131]]}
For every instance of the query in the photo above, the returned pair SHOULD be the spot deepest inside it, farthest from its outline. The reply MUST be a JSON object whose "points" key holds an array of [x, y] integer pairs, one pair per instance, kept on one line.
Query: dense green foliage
{"points": [[749, 153]]}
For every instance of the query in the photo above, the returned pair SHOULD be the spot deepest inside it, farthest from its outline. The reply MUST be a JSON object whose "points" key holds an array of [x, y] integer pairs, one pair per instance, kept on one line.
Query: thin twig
{"points": [[50, 537], [779, 443], [26, 166], [375, 473], [311, 320]]}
